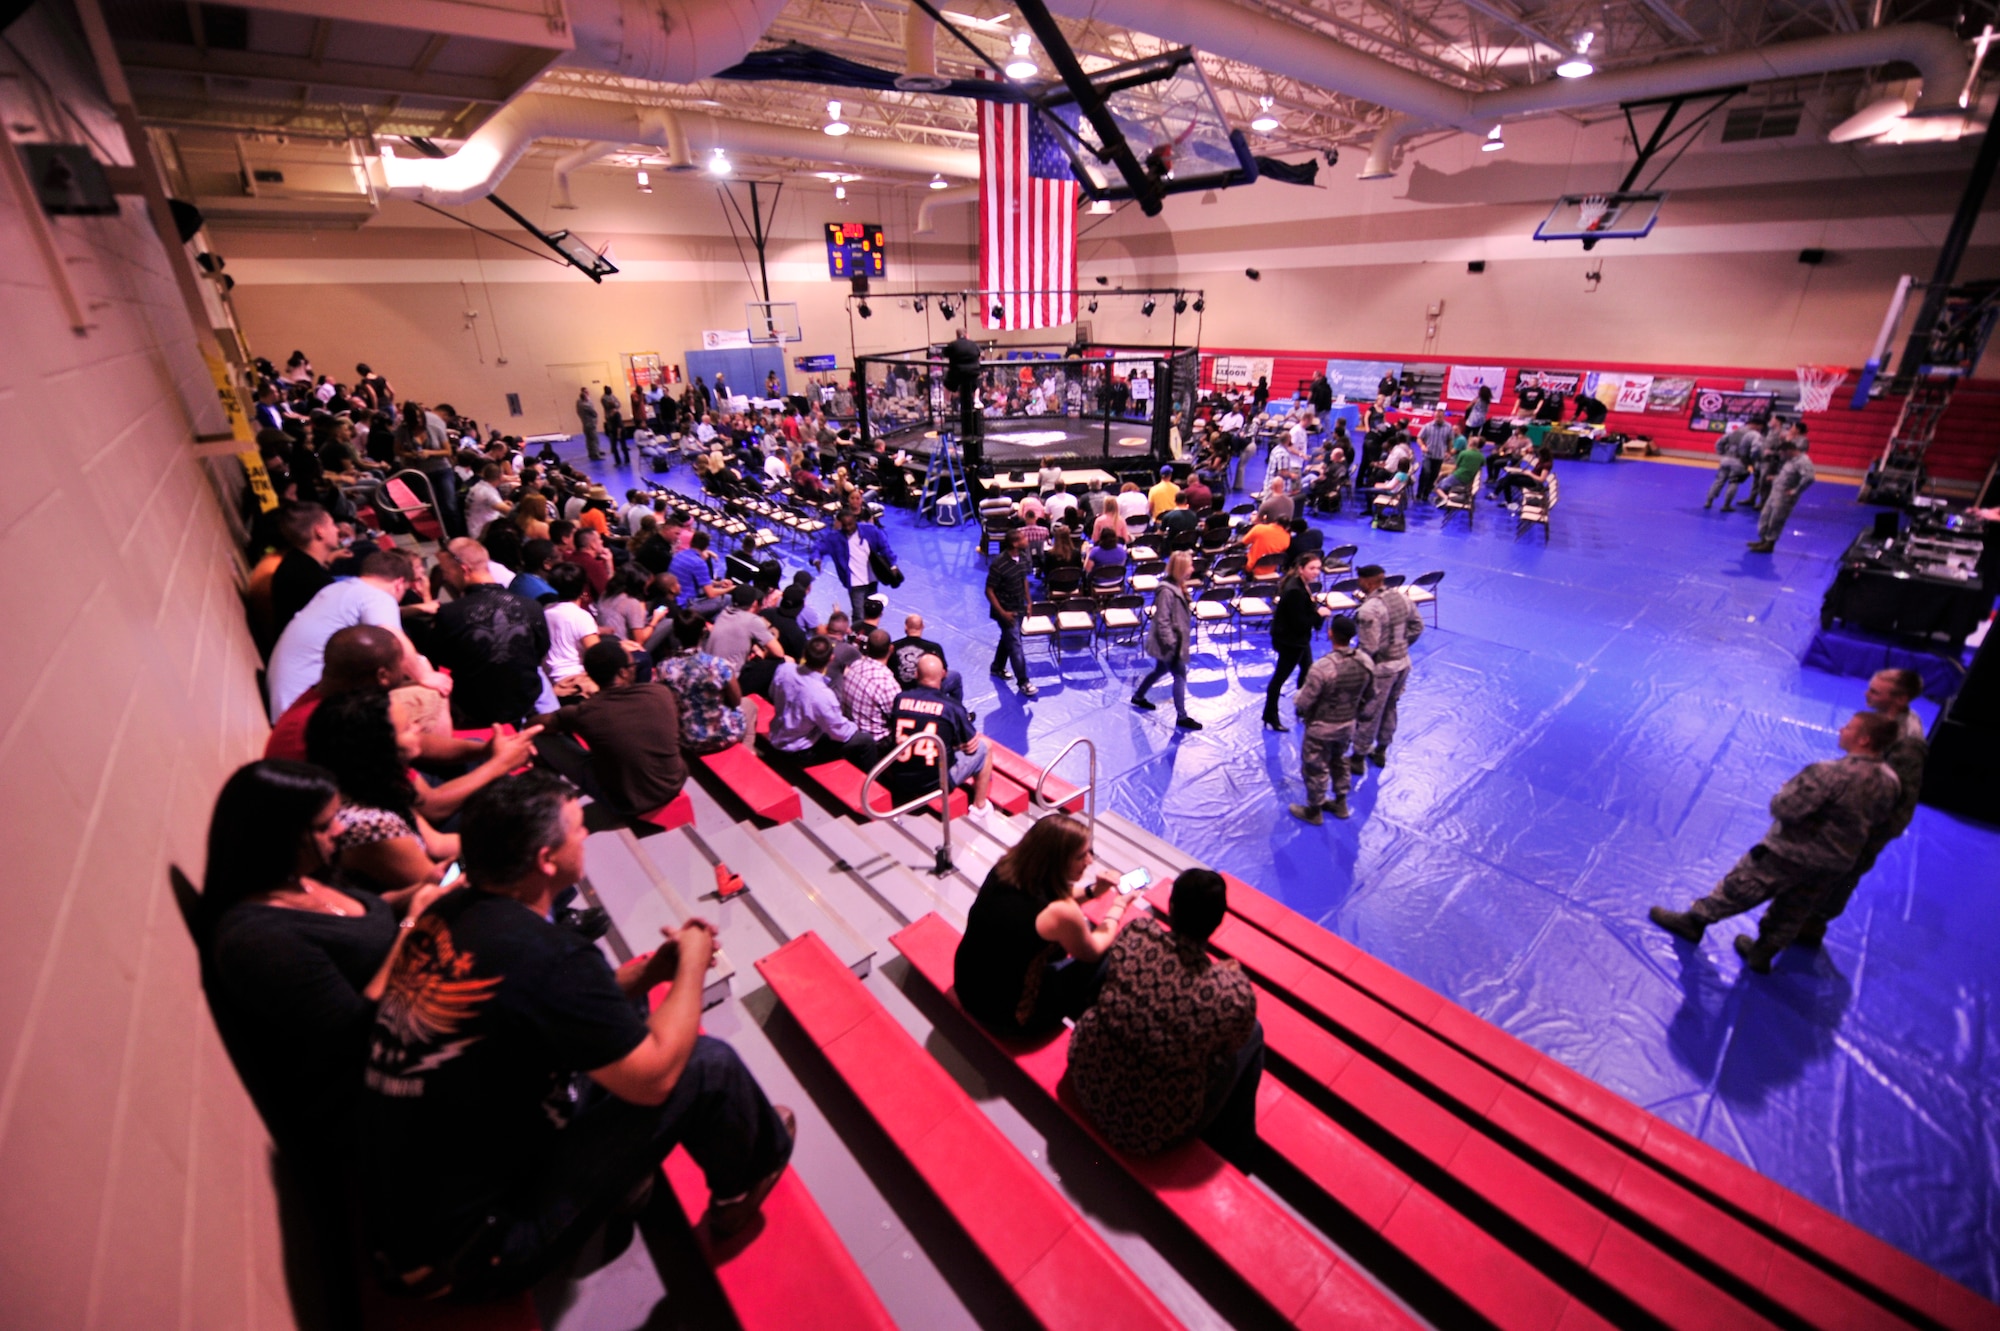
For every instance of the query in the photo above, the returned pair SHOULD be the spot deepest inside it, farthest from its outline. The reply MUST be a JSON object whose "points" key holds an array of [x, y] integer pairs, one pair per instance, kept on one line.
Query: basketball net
{"points": [[1817, 384], [1590, 211]]}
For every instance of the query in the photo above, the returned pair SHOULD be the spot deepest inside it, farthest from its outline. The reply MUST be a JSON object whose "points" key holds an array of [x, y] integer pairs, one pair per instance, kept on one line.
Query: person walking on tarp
{"points": [[1890, 693], [1735, 449], [1339, 685], [1824, 818], [1794, 474], [586, 415], [1387, 624]]}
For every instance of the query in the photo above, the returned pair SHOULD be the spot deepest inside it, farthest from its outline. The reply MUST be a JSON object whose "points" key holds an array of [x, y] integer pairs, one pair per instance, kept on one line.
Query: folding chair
{"points": [[1076, 615], [1107, 581], [1339, 561], [1424, 592], [1393, 580], [1122, 615], [1063, 582], [1213, 607], [1041, 624], [1535, 508], [1454, 501], [1227, 573], [1146, 575]]}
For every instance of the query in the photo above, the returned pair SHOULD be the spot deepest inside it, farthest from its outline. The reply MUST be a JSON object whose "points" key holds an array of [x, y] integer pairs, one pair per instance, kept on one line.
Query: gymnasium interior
{"points": [[1495, 1093]]}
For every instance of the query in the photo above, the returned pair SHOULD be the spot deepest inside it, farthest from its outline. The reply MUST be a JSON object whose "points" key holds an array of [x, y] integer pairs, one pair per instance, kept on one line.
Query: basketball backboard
{"points": [[1594, 217], [770, 322], [1170, 118]]}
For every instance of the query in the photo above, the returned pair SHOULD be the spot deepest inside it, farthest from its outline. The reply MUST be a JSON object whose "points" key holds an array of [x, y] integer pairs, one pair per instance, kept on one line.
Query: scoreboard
{"points": [[856, 249]]}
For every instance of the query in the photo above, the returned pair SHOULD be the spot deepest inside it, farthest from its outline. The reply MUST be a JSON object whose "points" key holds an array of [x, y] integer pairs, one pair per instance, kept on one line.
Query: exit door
{"points": [[564, 380]]}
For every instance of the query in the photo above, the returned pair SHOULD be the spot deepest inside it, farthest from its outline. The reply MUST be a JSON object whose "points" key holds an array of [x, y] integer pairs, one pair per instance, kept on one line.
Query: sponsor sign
{"points": [[1464, 381], [1244, 370], [1554, 381], [815, 364], [721, 339], [1357, 380], [1669, 393], [1633, 393], [1716, 410]]}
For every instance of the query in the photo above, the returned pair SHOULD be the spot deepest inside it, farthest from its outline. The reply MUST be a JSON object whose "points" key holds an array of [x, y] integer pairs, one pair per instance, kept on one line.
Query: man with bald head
{"points": [[361, 657], [492, 640], [925, 709], [913, 646]]}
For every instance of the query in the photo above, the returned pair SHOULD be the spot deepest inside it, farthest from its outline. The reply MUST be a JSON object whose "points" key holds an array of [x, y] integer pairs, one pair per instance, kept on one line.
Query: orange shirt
{"points": [[1264, 540], [594, 519]]}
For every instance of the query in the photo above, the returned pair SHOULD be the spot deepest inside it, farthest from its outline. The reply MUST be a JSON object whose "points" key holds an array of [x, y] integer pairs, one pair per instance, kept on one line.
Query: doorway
{"points": [[564, 380]]}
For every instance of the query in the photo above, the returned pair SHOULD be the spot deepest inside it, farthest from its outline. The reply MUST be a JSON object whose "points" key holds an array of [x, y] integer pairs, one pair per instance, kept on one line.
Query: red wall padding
{"points": [[1965, 446]]}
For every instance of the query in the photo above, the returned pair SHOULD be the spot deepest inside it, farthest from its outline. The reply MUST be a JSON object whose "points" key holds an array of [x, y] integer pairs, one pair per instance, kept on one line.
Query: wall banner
{"points": [[1717, 411], [1464, 381], [1669, 393], [1242, 370], [1553, 381], [1357, 380], [1633, 393]]}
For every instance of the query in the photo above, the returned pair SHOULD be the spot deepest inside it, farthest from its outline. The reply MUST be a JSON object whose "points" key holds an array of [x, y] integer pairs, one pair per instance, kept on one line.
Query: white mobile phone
{"points": [[1132, 882], [452, 874]]}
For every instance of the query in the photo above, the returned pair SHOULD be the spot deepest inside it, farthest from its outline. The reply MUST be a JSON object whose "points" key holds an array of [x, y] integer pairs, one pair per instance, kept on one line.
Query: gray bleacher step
{"points": [[789, 904], [641, 899], [907, 894], [813, 863], [958, 887], [1168, 854]]}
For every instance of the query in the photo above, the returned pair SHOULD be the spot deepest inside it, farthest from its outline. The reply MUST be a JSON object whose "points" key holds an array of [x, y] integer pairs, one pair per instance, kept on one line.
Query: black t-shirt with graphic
{"points": [[904, 653], [491, 1016]]}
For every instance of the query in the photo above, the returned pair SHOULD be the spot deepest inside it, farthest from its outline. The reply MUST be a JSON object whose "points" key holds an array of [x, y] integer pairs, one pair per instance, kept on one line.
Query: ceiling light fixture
{"points": [[835, 126], [1100, 207], [1493, 142], [645, 183], [1578, 66], [718, 165], [840, 192], [1021, 67], [1265, 121], [938, 182], [1148, 308]]}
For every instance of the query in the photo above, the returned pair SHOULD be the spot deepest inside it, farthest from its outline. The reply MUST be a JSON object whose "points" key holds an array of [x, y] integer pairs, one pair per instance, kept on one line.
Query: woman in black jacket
{"points": [[1294, 620]]}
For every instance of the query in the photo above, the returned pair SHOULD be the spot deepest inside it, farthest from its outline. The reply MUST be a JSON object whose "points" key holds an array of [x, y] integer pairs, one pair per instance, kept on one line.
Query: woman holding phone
{"points": [[1030, 956]]}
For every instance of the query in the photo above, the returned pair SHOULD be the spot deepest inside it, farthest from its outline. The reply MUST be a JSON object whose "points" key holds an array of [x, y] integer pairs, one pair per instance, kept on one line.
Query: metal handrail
{"points": [[437, 509], [1089, 791], [943, 796]]}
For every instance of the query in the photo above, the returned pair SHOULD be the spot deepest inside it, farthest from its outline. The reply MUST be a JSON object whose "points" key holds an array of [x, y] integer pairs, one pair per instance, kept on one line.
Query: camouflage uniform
{"points": [[1386, 625], [1906, 759], [1790, 482], [1824, 818], [1336, 688], [1735, 448]]}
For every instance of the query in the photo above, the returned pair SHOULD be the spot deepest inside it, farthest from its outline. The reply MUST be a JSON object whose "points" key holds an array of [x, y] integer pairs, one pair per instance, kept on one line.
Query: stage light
{"points": [[1180, 303], [947, 309], [718, 165], [863, 310], [1021, 67], [1578, 66], [1148, 307], [918, 304], [938, 182], [1265, 121], [1493, 143], [840, 192], [999, 312], [834, 124], [1093, 305], [1200, 304], [1102, 280]]}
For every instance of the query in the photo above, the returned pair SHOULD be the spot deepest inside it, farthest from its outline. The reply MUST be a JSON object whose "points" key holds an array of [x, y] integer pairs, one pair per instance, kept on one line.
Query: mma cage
{"points": [[1075, 403]]}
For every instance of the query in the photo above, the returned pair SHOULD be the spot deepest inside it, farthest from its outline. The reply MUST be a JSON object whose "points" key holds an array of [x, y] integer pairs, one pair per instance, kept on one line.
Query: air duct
{"points": [[483, 160], [666, 41], [944, 198], [920, 72], [1224, 29]]}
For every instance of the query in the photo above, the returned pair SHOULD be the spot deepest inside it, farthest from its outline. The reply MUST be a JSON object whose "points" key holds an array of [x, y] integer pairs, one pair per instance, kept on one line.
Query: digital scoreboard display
{"points": [[856, 249]]}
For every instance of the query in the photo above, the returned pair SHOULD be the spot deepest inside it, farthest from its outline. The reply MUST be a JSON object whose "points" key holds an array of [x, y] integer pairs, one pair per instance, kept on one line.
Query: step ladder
{"points": [[945, 498], [1898, 475]]}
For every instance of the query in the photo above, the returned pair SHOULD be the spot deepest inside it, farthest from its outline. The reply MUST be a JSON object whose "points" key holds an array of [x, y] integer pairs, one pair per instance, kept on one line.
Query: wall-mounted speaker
{"points": [[1476, 266], [1812, 256]]}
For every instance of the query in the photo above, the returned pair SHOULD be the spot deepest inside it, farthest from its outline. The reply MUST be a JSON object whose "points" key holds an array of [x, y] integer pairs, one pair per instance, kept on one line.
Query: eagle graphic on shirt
{"points": [[432, 996]]}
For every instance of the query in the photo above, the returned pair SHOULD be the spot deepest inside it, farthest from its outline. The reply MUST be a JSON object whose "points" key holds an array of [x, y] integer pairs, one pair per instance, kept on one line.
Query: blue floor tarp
{"points": [[1596, 726]]}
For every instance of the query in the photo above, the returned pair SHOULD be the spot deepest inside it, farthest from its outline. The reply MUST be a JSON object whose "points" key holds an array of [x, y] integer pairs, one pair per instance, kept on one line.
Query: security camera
{"points": [[1252, 274]]}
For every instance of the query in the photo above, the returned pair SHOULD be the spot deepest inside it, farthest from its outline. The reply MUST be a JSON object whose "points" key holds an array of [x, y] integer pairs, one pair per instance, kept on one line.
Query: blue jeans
{"points": [[1178, 669], [1010, 651]]}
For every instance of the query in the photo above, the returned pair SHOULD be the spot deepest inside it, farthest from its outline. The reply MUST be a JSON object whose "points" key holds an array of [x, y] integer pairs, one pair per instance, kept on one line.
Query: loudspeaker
{"points": [[1812, 256], [1476, 266], [858, 284], [1887, 524]]}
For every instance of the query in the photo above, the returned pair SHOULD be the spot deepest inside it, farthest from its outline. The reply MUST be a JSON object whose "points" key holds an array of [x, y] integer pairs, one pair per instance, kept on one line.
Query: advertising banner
{"points": [[721, 339], [1717, 411], [1669, 393], [1633, 393], [1465, 381], [1554, 381], [1356, 380], [815, 364], [1242, 370]]}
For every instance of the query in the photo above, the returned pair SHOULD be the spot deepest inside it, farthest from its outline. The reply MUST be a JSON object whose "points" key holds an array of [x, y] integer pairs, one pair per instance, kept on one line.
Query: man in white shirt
{"points": [[1049, 479], [373, 598], [1132, 502], [1061, 505], [1232, 421], [704, 431], [483, 502], [1298, 434]]}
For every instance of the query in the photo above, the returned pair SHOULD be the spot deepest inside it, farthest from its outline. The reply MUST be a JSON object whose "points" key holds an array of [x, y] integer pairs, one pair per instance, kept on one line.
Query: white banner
{"points": [[1465, 381], [1245, 370], [1634, 393], [720, 339]]}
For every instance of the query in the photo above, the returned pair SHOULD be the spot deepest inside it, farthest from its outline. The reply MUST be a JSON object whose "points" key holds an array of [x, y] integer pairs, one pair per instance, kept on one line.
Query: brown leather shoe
{"points": [[727, 1219]]}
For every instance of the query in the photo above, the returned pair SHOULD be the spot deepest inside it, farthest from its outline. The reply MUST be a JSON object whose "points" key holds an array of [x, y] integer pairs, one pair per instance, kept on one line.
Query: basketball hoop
{"points": [[1817, 384], [1590, 211]]}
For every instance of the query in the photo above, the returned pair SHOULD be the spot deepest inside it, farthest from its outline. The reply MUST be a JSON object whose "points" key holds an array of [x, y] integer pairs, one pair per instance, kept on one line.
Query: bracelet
{"points": [[409, 922]]}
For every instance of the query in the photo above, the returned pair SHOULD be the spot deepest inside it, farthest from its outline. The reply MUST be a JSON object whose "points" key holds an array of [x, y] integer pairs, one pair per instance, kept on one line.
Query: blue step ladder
{"points": [[945, 497]]}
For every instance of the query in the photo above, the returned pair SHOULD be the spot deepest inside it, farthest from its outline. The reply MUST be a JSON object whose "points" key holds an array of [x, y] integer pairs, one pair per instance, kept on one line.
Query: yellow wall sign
{"points": [[232, 405], [260, 480]]}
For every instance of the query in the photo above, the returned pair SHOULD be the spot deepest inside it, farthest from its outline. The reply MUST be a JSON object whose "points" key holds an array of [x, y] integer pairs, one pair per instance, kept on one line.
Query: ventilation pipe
{"points": [[920, 54], [943, 198], [687, 137], [666, 41], [1222, 28]]}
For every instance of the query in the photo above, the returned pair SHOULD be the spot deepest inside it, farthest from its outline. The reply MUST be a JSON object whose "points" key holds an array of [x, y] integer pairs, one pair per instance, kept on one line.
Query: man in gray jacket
{"points": [[1387, 624], [1823, 820], [1735, 450], [1337, 687], [586, 415]]}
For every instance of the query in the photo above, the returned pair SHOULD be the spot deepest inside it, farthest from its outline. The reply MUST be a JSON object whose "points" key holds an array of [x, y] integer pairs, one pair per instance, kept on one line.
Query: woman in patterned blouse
{"points": [[1172, 1047], [713, 712], [368, 742]]}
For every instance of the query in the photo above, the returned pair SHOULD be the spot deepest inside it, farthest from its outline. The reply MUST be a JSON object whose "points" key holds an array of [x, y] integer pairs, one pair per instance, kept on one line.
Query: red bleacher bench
{"points": [[678, 812], [1801, 1257], [747, 776], [1062, 1270], [1023, 773], [789, 1261], [1284, 1264], [765, 711], [842, 780]]}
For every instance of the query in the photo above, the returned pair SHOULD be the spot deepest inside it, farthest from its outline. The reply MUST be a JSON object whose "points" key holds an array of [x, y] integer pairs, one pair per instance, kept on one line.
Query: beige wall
{"points": [[132, 1167], [1348, 265]]}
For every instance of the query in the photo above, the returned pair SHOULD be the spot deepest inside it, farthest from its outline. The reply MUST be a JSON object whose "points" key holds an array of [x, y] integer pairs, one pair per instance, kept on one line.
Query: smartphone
{"points": [[452, 874], [1137, 879]]}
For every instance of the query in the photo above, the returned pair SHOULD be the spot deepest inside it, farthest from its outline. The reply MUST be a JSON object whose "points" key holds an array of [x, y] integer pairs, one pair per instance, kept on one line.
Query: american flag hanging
{"points": [[1027, 220]]}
